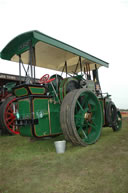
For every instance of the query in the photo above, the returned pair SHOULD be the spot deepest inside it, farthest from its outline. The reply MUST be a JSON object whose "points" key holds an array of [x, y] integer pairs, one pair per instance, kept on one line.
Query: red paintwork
{"points": [[44, 79], [10, 117], [50, 80]]}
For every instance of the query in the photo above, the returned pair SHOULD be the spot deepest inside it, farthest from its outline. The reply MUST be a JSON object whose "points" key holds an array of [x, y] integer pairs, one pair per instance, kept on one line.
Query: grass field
{"points": [[34, 167]]}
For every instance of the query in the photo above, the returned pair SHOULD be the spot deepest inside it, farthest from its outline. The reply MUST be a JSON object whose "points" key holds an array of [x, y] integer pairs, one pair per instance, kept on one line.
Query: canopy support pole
{"points": [[80, 65], [34, 63], [20, 67], [66, 69], [30, 60]]}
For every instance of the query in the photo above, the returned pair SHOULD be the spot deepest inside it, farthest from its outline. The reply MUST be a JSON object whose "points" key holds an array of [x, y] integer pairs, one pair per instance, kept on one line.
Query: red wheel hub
{"points": [[10, 117]]}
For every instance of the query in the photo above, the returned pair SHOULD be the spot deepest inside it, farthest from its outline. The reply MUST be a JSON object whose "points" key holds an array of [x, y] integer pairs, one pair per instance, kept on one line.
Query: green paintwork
{"points": [[55, 118], [45, 110], [25, 113], [40, 107], [20, 92], [18, 45], [48, 115], [37, 90], [21, 44]]}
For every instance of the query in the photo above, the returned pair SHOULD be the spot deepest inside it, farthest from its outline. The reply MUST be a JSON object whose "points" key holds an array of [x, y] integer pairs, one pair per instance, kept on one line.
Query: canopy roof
{"points": [[50, 53]]}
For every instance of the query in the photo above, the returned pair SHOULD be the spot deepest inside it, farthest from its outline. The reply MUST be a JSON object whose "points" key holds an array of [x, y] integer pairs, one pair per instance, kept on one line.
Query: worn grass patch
{"points": [[34, 167]]}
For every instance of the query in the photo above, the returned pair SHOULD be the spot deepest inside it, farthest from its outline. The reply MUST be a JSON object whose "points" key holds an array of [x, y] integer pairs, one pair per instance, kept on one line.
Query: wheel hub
{"points": [[88, 116]]}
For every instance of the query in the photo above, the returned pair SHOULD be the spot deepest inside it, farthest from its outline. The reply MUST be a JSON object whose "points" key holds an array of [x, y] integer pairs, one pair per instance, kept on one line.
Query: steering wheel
{"points": [[44, 79]]}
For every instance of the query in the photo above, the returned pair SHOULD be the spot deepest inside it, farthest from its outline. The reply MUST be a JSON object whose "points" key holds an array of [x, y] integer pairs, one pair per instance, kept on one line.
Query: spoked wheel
{"points": [[7, 118], [81, 117], [118, 123]]}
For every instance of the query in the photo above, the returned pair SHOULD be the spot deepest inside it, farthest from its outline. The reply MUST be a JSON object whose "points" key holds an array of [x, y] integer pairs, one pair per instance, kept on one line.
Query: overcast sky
{"points": [[98, 27]]}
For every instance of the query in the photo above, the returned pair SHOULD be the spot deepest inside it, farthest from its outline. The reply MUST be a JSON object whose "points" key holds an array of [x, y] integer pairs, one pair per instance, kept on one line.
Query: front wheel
{"points": [[81, 117]]}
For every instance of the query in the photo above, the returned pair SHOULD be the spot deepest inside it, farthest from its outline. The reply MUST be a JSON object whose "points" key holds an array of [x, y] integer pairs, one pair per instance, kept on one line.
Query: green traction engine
{"points": [[70, 102]]}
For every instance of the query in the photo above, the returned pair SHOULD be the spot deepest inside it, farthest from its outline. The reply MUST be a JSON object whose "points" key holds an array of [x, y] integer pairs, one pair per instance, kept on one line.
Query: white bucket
{"points": [[60, 146]]}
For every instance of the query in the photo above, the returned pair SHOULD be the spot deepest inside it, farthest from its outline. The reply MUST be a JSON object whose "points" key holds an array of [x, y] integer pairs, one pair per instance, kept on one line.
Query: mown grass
{"points": [[34, 167]]}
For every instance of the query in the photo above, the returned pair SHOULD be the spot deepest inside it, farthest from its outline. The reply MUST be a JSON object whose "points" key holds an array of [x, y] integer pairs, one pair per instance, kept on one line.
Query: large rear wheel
{"points": [[81, 117]]}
